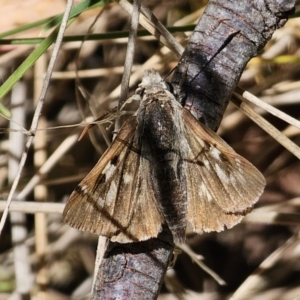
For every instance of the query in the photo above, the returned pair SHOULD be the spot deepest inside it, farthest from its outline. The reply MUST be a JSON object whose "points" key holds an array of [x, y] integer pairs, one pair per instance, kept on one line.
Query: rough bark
{"points": [[227, 36], [134, 270]]}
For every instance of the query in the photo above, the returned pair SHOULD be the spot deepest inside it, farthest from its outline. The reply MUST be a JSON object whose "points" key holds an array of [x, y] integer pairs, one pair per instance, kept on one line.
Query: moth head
{"points": [[151, 83]]}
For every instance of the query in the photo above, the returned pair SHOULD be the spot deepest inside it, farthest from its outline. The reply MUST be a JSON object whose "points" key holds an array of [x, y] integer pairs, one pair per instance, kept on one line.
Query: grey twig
{"points": [[227, 36]]}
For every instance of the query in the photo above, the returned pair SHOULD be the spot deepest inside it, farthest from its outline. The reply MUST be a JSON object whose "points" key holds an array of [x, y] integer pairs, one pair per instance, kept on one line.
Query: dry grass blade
{"points": [[19, 230], [197, 259], [65, 146], [265, 125], [272, 110], [51, 161], [273, 217], [34, 207], [130, 53], [156, 29], [101, 72], [41, 193]]}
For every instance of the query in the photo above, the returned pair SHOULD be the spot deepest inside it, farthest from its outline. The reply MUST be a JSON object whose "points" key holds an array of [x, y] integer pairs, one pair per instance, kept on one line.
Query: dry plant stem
{"points": [[34, 207], [129, 56], [65, 146], [18, 219], [83, 290], [256, 216], [101, 248], [257, 282], [294, 202], [130, 52], [99, 72], [272, 217], [81, 92], [271, 109], [265, 125], [38, 110], [197, 259], [170, 41], [49, 164], [156, 29], [136, 76], [165, 38], [40, 191]]}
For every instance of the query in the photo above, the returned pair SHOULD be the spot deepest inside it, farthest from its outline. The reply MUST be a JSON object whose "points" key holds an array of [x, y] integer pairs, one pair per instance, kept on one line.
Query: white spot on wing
{"points": [[204, 192], [127, 178], [239, 165], [221, 174], [101, 202], [159, 125], [215, 152], [232, 179], [206, 164], [111, 193], [202, 189], [109, 170], [84, 189]]}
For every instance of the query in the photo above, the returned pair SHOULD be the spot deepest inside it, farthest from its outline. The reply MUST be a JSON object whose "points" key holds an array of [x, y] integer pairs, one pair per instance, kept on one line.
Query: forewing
{"points": [[112, 200], [221, 185]]}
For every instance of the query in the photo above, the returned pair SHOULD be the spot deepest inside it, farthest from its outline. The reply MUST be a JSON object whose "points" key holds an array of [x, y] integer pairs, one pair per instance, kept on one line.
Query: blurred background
{"points": [[86, 82]]}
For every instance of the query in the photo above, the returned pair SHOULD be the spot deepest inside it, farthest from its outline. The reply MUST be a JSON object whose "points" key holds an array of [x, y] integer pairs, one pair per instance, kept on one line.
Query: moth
{"points": [[164, 167]]}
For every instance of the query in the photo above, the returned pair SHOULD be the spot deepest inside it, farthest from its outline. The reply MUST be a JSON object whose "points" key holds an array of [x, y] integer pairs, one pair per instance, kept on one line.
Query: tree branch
{"points": [[226, 37]]}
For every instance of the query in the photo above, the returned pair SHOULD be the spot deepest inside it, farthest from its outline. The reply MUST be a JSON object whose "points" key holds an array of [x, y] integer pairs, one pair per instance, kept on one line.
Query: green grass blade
{"points": [[55, 20], [28, 62], [4, 111], [24, 27], [76, 10], [44, 45], [92, 37]]}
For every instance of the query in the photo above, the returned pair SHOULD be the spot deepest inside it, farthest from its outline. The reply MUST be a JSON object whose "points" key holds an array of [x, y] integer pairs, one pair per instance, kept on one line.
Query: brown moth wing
{"points": [[221, 185], [113, 199]]}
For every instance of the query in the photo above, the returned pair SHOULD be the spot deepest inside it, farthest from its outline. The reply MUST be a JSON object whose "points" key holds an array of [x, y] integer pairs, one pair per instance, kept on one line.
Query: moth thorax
{"points": [[159, 126]]}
